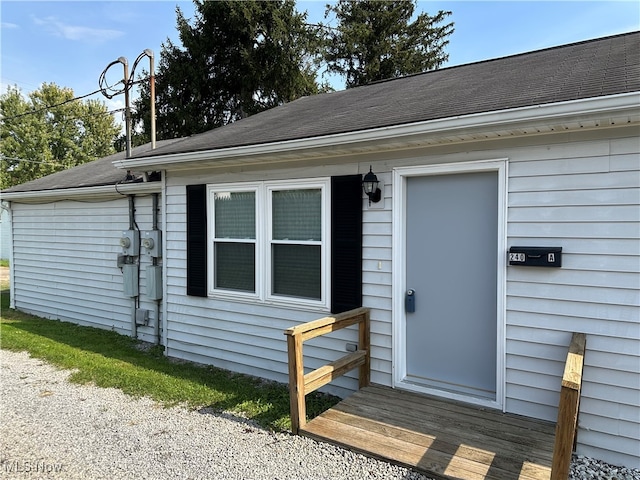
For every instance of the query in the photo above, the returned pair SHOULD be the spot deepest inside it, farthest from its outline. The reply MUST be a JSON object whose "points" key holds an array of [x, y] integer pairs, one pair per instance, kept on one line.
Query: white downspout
{"points": [[134, 300], [163, 199], [156, 306]]}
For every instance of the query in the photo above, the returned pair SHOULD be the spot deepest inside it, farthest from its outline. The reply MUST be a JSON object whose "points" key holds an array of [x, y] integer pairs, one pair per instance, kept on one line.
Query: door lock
{"points": [[410, 301]]}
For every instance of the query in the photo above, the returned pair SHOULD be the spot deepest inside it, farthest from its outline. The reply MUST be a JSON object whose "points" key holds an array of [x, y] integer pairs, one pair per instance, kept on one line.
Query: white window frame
{"points": [[263, 277], [211, 240], [323, 185]]}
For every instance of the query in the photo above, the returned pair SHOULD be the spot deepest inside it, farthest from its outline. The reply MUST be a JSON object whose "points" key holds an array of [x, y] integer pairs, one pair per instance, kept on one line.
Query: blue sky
{"points": [[71, 42]]}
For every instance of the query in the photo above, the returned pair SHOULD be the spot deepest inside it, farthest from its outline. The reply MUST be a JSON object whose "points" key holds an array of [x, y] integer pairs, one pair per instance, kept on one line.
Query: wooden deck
{"points": [[442, 439]]}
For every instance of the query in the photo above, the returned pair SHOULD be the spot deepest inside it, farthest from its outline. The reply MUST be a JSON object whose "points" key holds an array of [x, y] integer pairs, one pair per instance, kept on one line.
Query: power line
{"points": [[104, 85], [4, 157], [95, 114], [48, 107]]}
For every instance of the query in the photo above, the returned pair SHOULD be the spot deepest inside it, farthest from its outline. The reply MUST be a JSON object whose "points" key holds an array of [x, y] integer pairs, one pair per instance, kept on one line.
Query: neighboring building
{"points": [[264, 225], [5, 234]]}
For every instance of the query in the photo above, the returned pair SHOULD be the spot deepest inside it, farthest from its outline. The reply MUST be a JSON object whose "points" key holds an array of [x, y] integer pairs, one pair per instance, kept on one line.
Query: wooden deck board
{"points": [[439, 438]]}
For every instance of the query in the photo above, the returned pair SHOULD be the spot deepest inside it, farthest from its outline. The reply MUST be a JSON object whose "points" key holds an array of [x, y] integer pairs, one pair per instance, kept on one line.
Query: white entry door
{"points": [[451, 320]]}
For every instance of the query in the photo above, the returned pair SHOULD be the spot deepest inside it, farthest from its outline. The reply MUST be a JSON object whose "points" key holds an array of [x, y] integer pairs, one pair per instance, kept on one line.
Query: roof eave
{"points": [[543, 115], [103, 191]]}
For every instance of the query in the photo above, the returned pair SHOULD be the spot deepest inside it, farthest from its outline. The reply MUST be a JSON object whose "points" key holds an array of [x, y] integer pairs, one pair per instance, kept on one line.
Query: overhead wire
{"points": [[74, 99], [41, 162], [106, 89], [95, 114], [48, 107], [104, 85]]}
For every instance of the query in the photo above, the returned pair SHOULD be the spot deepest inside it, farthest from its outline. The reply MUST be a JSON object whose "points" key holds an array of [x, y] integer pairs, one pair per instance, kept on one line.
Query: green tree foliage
{"points": [[236, 59], [376, 40], [37, 139]]}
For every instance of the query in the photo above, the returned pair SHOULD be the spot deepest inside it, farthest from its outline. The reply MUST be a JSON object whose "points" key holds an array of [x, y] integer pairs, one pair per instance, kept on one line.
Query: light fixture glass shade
{"points": [[370, 182]]}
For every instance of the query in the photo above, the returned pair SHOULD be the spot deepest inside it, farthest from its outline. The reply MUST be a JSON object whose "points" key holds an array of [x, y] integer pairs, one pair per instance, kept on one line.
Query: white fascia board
{"points": [[103, 191], [487, 121]]}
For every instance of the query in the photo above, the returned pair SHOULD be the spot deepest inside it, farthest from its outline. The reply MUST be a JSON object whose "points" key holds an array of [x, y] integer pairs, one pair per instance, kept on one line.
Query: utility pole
{"points": [[127, 105], [152, 95]]}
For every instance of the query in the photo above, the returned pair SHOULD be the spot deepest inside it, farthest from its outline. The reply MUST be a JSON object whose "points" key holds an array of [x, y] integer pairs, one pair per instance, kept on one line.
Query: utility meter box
{"points": [[154, 282], [130, 243], [152, 242], [130, 279]]}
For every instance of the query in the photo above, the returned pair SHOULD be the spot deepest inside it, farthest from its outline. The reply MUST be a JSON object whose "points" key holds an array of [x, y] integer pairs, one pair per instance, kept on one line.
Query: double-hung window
{"points": [[234, 239], [270, 242], [295, 242]]}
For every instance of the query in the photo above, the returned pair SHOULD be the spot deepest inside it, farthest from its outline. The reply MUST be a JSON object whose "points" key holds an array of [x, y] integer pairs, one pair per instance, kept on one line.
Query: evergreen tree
{"points": [[236, 59], [38, 138], [376, 40]]}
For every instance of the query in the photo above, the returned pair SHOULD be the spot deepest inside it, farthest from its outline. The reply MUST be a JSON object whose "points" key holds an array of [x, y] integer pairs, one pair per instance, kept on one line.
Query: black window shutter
{"points": [[197, 240], [346, 243]]}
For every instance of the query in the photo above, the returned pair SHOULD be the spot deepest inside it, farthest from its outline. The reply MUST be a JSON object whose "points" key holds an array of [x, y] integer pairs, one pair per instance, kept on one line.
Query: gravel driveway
{"points": [[55, 429]]}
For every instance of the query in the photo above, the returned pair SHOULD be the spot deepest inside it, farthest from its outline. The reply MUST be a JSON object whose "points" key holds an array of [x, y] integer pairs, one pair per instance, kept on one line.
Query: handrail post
{"points": [[296, 383], [364, 341], [567, 424]]}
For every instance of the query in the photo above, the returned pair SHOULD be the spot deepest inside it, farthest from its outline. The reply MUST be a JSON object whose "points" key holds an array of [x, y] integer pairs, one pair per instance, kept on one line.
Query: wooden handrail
{"points": [[300, 384], [567, 424]]}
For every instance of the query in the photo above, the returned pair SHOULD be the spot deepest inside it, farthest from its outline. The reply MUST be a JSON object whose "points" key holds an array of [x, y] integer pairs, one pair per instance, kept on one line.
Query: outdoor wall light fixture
{"points": [[370, 186]]}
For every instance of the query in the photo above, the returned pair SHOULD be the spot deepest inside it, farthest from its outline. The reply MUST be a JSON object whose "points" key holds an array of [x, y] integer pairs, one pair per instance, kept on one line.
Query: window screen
{"points": [[296, 249], [297, 215], [234, 242]]}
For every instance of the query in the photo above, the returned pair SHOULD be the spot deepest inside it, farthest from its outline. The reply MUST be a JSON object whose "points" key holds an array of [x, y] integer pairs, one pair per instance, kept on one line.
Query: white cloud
{"points": [[77, 32], [7, 25]]}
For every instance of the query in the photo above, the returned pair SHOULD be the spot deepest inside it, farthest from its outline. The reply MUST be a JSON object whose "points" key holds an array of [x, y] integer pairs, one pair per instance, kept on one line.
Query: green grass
{"points": [[4, 263], [107, 359]]}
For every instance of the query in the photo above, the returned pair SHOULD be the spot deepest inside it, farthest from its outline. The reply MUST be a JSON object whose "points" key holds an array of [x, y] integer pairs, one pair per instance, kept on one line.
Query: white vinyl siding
{"points": [[65, 262], [377, 280], [587, 200]]}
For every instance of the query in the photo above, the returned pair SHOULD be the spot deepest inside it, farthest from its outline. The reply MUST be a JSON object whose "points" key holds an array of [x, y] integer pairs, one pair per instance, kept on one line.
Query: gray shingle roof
{"points": [[91, 174], [592, 68]]}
